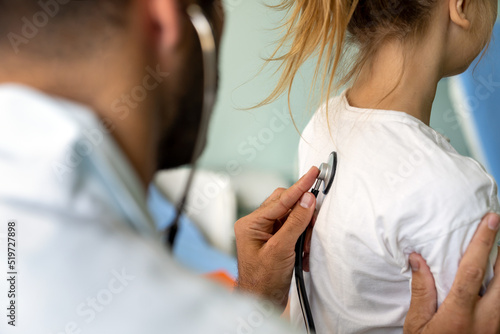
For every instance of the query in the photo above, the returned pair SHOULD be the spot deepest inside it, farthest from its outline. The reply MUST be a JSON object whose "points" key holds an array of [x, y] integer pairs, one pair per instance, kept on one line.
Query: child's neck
{"points": [[393, 81]]}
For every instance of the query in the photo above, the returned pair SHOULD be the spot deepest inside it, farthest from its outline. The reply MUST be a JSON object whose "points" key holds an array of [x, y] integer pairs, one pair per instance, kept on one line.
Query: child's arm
{"points": [[449, 224], [443, 215], [463, 312], [443, 255]]}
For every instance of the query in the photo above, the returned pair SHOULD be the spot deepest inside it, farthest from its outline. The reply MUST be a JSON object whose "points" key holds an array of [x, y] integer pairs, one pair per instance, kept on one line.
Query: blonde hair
{"points": [[324, 28]]}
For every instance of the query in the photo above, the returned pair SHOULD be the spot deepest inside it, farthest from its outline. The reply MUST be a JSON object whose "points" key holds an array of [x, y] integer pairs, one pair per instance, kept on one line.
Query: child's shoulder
{"points": [[421, 155], [397, 156], [441, 189]]}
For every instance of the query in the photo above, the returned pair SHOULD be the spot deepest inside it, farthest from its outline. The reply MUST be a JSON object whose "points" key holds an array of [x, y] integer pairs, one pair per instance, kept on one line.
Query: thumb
{"points": [[423, 303], [296, 223]]}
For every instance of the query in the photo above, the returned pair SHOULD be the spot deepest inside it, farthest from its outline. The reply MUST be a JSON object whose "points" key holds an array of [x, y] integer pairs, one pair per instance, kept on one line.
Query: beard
{"points": [[183, 104], [177, 145]]}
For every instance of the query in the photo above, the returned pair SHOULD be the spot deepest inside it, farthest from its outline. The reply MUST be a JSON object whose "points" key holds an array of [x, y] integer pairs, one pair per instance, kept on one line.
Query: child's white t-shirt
{"points": [[400, 188]]}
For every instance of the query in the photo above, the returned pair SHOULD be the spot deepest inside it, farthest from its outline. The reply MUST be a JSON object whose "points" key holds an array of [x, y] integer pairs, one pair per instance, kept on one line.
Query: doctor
{"points": [[96, 96]]}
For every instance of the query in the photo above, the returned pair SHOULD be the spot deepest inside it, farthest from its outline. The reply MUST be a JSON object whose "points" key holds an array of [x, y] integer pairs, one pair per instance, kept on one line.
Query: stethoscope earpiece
{"points": [[206, 37]]}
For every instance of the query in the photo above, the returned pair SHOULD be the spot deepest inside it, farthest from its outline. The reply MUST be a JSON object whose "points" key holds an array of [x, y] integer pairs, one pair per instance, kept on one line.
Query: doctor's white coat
{"points": [[87, 256]]}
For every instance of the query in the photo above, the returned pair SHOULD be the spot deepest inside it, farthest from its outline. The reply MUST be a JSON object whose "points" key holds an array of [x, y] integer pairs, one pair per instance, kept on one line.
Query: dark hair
{"points": [[40, 25]]}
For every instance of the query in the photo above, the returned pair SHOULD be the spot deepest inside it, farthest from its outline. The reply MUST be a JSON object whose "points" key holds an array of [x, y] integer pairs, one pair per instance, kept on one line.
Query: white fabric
{"points": [[400, 187], [89, 259], [211, 203]]}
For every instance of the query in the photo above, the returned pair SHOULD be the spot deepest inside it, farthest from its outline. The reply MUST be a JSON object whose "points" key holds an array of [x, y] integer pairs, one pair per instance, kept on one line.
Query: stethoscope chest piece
{"points": [[326, 176], [330, 170]]}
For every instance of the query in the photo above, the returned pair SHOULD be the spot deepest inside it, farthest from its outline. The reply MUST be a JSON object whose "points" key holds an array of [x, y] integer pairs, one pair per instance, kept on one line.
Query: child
{"points": [[400, 186]]}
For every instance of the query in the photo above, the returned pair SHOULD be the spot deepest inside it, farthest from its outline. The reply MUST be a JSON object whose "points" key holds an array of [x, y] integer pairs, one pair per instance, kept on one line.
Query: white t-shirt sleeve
{"points": [[449, 216], [444, 263]]}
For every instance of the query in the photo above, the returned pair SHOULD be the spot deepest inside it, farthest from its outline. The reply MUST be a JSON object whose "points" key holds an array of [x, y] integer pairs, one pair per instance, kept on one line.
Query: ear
{"points": [[166, 18], [459, 13]]}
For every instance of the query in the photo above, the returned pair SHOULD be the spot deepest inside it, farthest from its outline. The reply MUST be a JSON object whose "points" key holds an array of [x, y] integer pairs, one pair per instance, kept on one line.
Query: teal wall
{"points": [[257, 139], [265, 138]]}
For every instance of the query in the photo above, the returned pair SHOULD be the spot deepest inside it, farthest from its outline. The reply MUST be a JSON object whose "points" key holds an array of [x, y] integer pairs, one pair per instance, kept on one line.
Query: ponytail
{"points": [[324, 28], [312, 26]]}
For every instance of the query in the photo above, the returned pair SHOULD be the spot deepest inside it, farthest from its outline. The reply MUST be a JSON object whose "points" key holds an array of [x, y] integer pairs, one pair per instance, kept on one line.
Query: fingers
{"points": [[307, 246], [280, 221], [281, 202], [492, 295], [265, 261], [497, 262], [297, 222], [497, 272], [472, 267], [307, 249], [274, 196], [423, 303], [463, 310]]}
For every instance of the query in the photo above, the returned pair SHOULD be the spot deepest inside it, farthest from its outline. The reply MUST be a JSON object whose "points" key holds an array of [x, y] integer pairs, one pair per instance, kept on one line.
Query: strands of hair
{"points": [[330, 29]]}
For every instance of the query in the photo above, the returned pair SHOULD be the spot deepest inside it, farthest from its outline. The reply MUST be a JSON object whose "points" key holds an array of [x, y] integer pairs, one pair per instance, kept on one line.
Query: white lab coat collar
{"points": [[58, 155]]}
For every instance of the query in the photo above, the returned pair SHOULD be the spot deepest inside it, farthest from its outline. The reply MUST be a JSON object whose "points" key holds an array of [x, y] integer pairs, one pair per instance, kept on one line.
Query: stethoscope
{"points": [[209, 53], [327, 170], [326, 176]]}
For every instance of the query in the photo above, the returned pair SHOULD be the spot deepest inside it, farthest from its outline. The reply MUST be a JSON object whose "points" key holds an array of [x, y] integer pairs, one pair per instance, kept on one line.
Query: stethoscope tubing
{"points": [[327, 175], [206, 36], [299, 280]]}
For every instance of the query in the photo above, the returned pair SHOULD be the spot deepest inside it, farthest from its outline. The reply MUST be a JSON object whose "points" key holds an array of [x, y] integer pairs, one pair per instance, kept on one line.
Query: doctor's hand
{"points": [[463, 311], [265, 240]]}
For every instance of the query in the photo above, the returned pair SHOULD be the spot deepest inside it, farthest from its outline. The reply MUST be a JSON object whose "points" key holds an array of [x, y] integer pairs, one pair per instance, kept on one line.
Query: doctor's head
{"points": [[454, 31], [136, 63]]}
